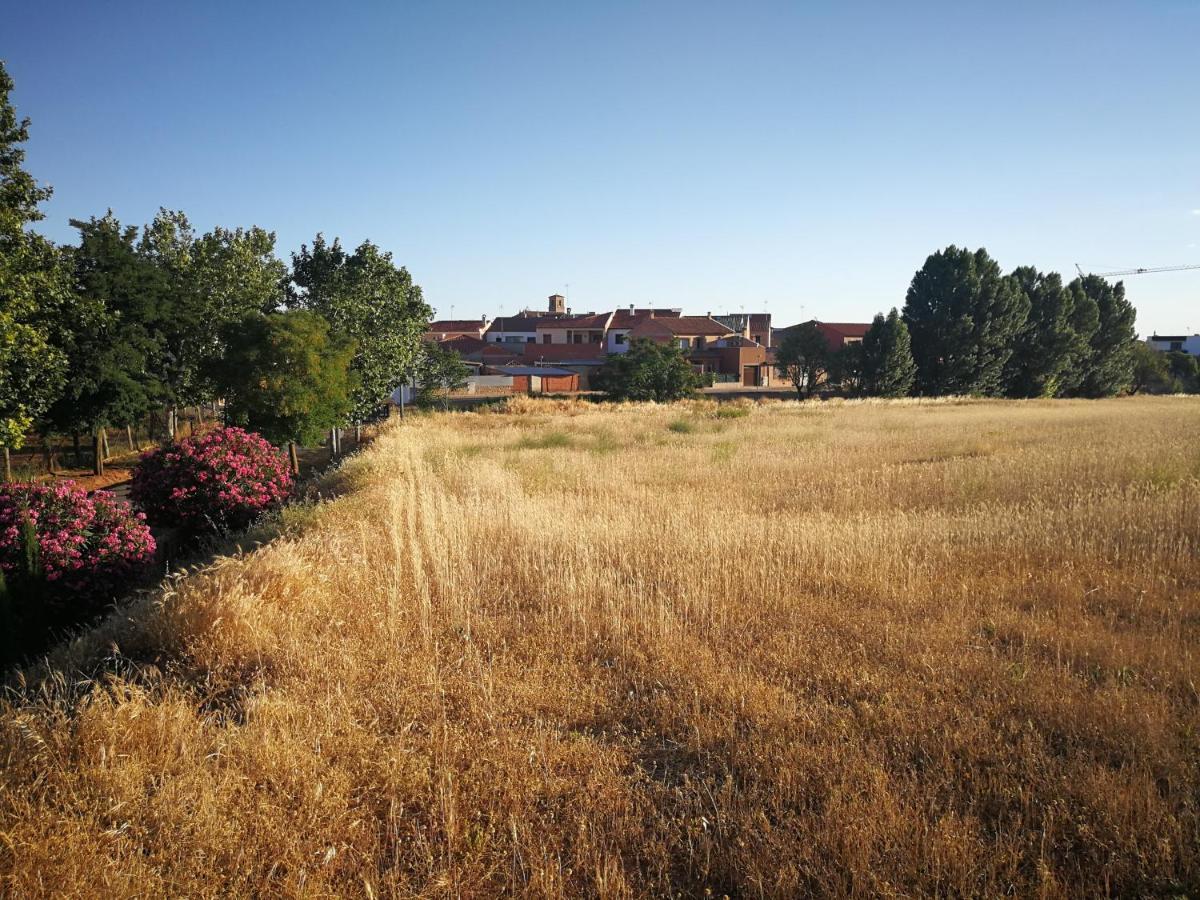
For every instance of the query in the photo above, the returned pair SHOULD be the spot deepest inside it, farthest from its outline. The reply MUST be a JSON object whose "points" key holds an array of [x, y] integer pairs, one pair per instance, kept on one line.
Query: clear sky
{"points": [[798, 158]]}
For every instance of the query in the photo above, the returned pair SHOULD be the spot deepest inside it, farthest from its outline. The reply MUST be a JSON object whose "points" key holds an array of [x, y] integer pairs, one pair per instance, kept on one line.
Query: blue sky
{"points": [[798, 158]]}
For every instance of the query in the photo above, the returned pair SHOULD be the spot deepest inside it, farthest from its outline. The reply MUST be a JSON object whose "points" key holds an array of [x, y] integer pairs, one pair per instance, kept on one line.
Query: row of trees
{"points": [[130, 320], [969, 328]]}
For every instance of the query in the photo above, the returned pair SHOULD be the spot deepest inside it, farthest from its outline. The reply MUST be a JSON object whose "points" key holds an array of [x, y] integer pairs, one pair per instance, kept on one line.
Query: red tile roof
{"points": [[627, 318], [444, 325], [681, 326], [596, 321], [519, 323], [846, 329]]}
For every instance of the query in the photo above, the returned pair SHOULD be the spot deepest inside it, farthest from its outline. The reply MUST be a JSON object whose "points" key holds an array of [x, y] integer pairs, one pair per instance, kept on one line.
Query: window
{"points": [[700, 343], [683, 343], [531, 340], [619, 337], [595, 337], [576, 337], [497, 339], [545, 337], [1176, 345]]}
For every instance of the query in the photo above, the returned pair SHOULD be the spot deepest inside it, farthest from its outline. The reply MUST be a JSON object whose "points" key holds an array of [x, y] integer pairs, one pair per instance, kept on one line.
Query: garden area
{"points": [[72, 546]]}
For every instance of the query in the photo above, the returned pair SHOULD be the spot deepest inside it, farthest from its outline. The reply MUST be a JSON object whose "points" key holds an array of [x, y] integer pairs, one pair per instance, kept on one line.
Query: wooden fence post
{"points": [[294, 457], [104, 440], [48, 449], [129, 434]]}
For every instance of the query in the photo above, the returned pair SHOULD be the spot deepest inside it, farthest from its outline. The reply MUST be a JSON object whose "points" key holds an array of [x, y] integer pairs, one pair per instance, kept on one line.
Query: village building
{"points": [[1175, 343]]}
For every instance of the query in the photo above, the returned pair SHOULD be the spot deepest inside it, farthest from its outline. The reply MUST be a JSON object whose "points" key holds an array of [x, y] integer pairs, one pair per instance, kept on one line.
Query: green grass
{"points": [[681, 426], [726, 411], [548, 441]]}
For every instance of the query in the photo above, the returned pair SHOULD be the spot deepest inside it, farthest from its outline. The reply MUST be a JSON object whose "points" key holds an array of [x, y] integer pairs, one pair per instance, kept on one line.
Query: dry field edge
{"points": [[563, 649]]}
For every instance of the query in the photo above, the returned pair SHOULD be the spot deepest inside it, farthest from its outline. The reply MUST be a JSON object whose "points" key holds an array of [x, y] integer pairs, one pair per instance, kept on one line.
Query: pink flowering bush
{"points": [[84, 549], [220, 480]]}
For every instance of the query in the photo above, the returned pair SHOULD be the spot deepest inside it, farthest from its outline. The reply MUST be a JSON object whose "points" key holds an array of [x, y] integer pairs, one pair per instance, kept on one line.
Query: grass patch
{"points": [[681, 426], [549, 440], [730, 411]]}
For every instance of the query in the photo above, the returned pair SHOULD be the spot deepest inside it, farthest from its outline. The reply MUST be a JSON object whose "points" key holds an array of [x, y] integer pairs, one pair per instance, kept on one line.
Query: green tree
{"points": [[804, 355], [209, 282], [888, 366], [846, 367], [1107, 363], [1185, 371], [963, 315], [34, 287], [438, 369], [114, 345], [647, 371], [285, 375], [1048, 345], [1151, 371], [365, 297]]}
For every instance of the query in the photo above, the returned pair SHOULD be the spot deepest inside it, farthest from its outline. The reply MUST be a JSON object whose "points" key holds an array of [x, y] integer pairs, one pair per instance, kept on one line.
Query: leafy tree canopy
{"points": [[285, 375], [963, 315], [1107, 364], [888, 366], [803, 356], [647, 371], [438, 369], [34, 287], [366, 298]]}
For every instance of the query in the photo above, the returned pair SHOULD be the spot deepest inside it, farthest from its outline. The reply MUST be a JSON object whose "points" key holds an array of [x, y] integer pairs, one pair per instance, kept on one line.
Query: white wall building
{"points": [[1167, 343]]}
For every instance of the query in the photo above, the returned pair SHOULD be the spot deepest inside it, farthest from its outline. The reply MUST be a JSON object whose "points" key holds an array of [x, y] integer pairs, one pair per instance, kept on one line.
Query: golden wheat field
{"points": [[570, 650]]}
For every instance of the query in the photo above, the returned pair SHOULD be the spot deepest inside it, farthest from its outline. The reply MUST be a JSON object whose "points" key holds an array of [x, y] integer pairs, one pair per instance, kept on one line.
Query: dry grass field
{"points": [[900, 649]]}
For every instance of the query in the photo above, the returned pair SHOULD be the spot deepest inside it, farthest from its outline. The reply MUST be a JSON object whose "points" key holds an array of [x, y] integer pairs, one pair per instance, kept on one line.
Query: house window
{"points": [[1176, 345], [700, 343], [576, 338], [497, 339], [683, 343], [595, 337], [546, 337], [619, 337], [531, 340]]}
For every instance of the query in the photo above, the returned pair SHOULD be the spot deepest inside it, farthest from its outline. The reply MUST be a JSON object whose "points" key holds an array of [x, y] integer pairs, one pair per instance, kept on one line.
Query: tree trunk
{"points": [[104, 438], [129, 434], [172, 423], [48, 448], [357, 436], [97, 453], [294, 457]]}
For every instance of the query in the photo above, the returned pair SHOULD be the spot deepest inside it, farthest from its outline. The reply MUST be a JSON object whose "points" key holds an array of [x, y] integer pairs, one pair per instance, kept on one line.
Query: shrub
{"points": [[218, 481], [61, 545], [727, 411]]}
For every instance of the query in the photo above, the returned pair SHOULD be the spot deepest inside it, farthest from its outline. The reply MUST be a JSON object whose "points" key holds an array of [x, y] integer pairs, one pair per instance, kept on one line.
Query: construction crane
{"points": [[1142, 271]]}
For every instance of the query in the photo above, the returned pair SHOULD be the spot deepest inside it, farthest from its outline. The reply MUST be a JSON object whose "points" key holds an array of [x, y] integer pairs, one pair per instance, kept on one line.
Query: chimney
{"points": [[557, 304]]}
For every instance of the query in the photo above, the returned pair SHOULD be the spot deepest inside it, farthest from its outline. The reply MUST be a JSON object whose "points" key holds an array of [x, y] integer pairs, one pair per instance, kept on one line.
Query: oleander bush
{"points": [[218, 481], [64, 556]]}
